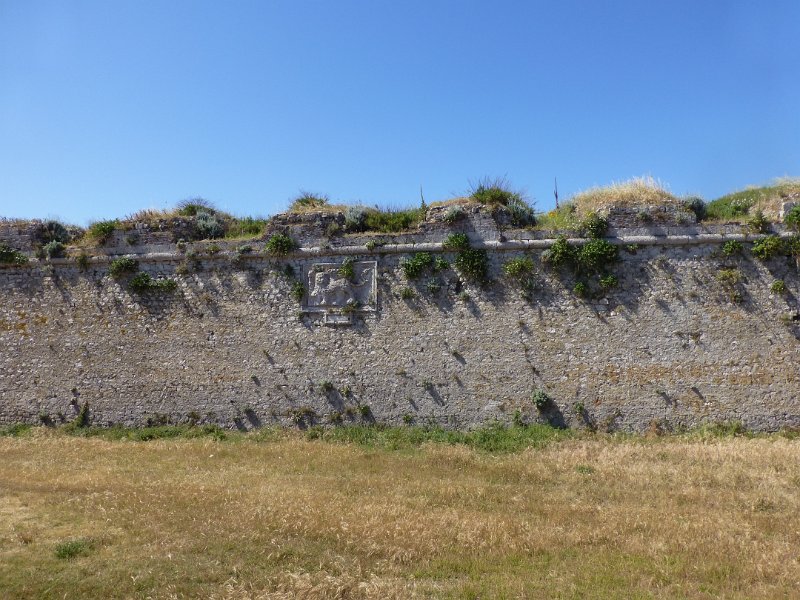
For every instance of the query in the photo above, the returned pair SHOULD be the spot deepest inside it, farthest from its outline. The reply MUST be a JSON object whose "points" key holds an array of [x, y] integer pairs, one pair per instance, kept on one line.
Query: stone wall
{"points": [[674, 344]]}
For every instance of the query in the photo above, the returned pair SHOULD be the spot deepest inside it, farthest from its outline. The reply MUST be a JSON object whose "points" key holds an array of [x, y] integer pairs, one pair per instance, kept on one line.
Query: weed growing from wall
{"points": [[280, 244], [100, 231], [415, 266], [518, 268], [9, 256], [594, 226], [778, 287], [123, 265], [769, 247], [143, 283], [732, 248], [792, 217], [456, 242], [473, 264]]}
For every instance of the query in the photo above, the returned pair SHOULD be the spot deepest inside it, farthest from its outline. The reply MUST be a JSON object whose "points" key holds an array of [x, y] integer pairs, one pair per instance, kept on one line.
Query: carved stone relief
{"points": [[337, 291]]}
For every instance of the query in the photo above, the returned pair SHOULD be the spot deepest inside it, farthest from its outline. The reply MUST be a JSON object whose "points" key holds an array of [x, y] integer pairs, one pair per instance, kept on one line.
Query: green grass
{"points": [[70, 549], [735, 206], [393, 220], [246, 227], [558, 219]]}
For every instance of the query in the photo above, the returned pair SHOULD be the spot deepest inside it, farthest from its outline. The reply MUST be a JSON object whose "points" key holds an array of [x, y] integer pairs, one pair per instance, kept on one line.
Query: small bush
{"points": [[143, 283], [609, 281], [346, 269], [122, 265], [778, 287], [580, 289], [792, 217], [414, 267], [82, 260], [729, 277], [758, 222], [298, 291], [280, 244], [101, 231], [9, 256], [540, 399], [440, 264], [54, 249], [456, 242], [561, 253], [433, 286], [407, 293], [731, 248], [594, 226], [521, 213], [355, 218], [697, 205], [768, 247], [595, 255], [208, 226], [731, 206], [454, 214], [473, 264], [518, 268]]}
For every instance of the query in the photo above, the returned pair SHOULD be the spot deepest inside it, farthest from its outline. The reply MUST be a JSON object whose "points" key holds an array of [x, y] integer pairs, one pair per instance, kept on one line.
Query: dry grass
{"points": [[581, 518], [636, 192]]}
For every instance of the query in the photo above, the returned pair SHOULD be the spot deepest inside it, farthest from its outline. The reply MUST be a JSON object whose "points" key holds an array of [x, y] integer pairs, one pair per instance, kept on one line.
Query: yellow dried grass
{"points": [[592, 517], [636, 192]]}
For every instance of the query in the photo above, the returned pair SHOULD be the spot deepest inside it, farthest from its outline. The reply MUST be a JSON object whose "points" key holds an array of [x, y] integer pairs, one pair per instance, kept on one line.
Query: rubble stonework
{"points": [[670, 346]]}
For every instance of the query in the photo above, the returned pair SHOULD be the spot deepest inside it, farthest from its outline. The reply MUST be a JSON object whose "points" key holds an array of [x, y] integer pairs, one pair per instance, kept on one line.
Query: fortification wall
{"points": [[672, 345]]}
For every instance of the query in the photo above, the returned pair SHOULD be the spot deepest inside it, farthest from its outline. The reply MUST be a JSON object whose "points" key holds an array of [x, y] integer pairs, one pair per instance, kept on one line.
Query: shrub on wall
{"points": [[473, 264], [454, 214], [697, 205], [595, 255], [9, 256], [456, 242], [561, 253], [731, 247], [143, 283], [208, 226], [768, 247], [54, 249], [518, 268], [594, 226], [280, 244], [414, 267], [792, 217], [122, 265]]}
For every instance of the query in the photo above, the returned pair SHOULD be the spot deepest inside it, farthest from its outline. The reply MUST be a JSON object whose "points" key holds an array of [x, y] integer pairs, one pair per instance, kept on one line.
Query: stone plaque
{"points": [[342, 288]]}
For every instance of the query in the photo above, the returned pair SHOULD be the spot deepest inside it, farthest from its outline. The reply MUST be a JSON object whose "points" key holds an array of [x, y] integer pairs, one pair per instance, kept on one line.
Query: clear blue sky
{"points": [[109, 106]]}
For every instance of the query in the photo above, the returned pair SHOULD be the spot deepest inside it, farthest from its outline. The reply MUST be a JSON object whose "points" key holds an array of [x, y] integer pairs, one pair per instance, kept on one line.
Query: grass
{"points": [[636, 192], [390, 220], [400, 513], [767, 199]]}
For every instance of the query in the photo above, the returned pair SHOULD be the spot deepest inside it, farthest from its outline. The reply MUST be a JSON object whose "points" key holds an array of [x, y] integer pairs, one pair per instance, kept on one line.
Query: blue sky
{"points": [[107, 107]]}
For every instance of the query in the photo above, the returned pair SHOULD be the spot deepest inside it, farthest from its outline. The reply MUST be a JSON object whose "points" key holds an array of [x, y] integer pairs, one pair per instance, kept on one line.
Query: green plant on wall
{"points": [[9, 256], [518, 268], [594, 226], [346, 269], [792, 217], [595, 256], [298, 291], [415, 266], [473, 264], [731, 248], [280, 244], [456, 242], [768, 247], [143, 283], [100, 231], [122, 265]]}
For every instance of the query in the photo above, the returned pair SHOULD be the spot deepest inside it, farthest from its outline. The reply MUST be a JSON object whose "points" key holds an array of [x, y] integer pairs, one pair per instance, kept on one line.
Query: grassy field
{"points": [[393, 515]]}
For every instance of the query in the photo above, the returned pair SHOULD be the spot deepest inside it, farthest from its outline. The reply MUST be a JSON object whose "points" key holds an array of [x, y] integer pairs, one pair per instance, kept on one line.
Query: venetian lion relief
{"points": [[339, 289]]}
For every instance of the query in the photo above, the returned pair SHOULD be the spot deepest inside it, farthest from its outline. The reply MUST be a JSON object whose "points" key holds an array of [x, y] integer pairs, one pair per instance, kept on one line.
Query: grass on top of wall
{"points": [[764, 198]]}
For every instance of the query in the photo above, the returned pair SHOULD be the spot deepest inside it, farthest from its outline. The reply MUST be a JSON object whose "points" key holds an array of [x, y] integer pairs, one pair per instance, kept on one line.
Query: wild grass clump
{"points": [[559, 219], [192, 206], [246, 227], [53, 249], [392, 220], [307, 201], [70, 549], [495, 191], [636, 192], [456, 242], [100, 232]]}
